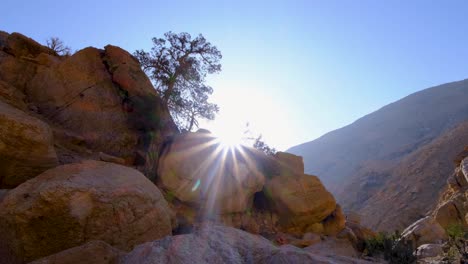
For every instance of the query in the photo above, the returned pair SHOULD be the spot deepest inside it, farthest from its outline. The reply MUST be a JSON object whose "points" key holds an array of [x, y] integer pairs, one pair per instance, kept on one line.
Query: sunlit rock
{"points": [[198, 170]]}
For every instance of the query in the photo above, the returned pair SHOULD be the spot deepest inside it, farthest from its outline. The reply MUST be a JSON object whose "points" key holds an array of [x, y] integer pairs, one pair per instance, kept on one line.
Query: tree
{"points": [[178, 65], [257, 141], [57, 45]]}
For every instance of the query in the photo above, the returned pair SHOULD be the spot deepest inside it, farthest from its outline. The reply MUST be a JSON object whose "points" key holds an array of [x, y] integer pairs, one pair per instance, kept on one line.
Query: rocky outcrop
{"points": [[197, 170], [71, 204], [96, 252], [430, 232], [100, 97], [245, 188], [26, 146]]}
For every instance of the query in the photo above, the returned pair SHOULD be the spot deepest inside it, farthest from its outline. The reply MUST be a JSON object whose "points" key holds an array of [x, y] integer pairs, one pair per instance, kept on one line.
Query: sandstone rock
{"points": [[95, 252], [301, 200], [452, 211], [71, 204], [290, 161], [26, 146], [208, 244], [20, 45], [95, 90], [335, 222], [429, 250], [425, 230], [197, 170], [85, 102], [16, 72], [12, 96]]}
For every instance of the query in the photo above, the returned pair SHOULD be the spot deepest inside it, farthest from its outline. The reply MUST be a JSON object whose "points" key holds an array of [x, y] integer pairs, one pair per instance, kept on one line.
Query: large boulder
{"points": [[95, 252], [219, 244], [196, 169], [300, 200], [71, 204], [208, 244], [26, 146]]}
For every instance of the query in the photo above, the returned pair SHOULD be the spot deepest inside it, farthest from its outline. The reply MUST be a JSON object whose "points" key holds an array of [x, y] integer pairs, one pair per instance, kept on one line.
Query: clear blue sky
{"points": [[294, 69]]}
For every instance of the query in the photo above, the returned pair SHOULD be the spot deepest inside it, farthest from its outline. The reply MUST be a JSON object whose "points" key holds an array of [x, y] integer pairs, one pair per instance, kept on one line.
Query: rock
{"points": [[94, 90], [85, 102], [71, 204], [464, 169], [333, 246], [26, 146], [109, 158], [12, 96], [300, 200], [290, 255], [429, 250], [20, 45], [361, 233], [312, 237], [208, 244], [95, 252], [196, 170], [3, 38], [3, 193], [452, 211], [425, 230], [347, 233], [285, 239], [334, 223], [290, 161]]}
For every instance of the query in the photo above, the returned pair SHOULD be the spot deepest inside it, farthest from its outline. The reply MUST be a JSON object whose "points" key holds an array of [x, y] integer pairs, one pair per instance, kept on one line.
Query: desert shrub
{"points": [[393, 247], [457, 244]]}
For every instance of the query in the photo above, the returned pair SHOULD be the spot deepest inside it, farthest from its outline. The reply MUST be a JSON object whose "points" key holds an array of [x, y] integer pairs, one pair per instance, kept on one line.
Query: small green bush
{"points": [[457, 243], [394, 248]]}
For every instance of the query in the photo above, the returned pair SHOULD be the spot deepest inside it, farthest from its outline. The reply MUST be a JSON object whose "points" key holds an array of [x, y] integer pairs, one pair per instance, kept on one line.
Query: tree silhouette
{"points": [[178, 65], [57, 45]]}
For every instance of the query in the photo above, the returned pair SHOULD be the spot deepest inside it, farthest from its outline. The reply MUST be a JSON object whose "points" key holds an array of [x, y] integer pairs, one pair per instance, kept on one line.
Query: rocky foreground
{"points": [[94, 170]]}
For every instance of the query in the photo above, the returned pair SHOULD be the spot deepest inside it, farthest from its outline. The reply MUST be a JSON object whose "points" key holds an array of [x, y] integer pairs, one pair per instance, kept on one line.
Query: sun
{"points": [[229, 139]]}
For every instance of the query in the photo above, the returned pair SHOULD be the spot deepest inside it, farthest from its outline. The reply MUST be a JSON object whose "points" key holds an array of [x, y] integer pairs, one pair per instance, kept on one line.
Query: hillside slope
{"points": [[359, 162]]}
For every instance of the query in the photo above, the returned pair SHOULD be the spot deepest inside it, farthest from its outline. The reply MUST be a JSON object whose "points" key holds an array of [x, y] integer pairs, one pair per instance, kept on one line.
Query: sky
{"points": [[294, 70]]}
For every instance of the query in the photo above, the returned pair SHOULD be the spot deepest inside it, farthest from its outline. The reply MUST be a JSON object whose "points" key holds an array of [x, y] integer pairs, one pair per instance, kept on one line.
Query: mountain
{"points": [[387, 156]]}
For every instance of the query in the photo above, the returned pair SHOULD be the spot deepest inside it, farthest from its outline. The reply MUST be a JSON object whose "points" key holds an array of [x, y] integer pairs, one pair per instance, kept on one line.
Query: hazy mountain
{"points": [[386, 154]]}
